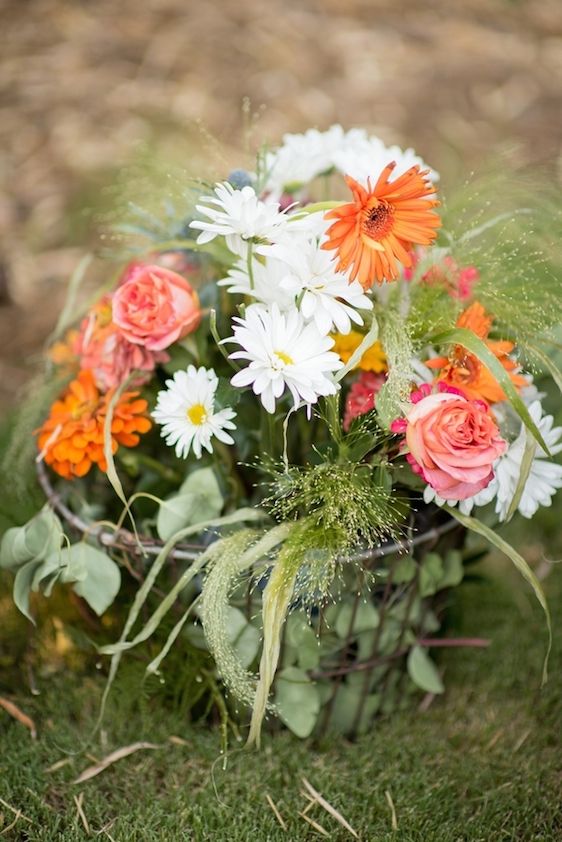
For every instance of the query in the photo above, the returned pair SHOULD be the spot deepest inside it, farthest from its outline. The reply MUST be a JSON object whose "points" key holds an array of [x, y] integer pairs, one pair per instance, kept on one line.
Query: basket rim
{"points": [[125, 540]]}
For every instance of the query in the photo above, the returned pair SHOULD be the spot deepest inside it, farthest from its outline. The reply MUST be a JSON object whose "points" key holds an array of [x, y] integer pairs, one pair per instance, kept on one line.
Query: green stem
{"points": [[250, 265], [314, 207]]}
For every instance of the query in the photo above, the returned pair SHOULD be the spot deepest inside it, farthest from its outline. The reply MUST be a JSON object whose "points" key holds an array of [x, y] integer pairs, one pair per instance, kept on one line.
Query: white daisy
{"points": [[264, 285], [323, 295], [367, 159], [283, 353], [545, 477], [240, 217], [303, 157], [186, 410]]}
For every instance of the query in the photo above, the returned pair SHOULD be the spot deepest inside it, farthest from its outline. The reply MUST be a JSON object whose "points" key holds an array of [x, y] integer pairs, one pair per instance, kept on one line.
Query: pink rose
{"points": [[103, 350], [155, 307], [454, 442]]}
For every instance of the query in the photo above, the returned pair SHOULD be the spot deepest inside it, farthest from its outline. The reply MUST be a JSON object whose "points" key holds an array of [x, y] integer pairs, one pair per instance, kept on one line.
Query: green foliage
{"points": [[423, 671], [199, 499], [34, 552], [297, 701]]}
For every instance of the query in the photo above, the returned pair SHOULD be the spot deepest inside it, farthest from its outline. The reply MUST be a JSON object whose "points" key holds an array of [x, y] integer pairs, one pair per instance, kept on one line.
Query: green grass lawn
{"points": [[482, 763]]}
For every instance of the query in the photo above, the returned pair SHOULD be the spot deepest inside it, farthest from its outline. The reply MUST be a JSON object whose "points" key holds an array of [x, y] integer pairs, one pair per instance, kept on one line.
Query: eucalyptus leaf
{"points": [[300, 636], [22, 586], [43, 533], [366, 618], [431, 574], [13, 551], [297, 700], [199, 500], [346, 705], [423, 671], [453, 570], [103, 577], [404, 570], [245, 637]]}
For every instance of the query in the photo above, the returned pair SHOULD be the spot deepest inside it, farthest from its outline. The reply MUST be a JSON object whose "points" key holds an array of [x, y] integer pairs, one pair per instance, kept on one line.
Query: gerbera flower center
{"points": [[197, 414], [283, 360], [378, 219]]}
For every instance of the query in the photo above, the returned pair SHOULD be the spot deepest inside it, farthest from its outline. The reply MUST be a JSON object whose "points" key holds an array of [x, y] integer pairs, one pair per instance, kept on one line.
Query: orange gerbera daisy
{"points": [[465, 371], [381, 225], [71, 439]]}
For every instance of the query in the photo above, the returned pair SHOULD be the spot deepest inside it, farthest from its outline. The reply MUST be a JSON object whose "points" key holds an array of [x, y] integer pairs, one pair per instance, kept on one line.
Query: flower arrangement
{"points": [[306, 373]]}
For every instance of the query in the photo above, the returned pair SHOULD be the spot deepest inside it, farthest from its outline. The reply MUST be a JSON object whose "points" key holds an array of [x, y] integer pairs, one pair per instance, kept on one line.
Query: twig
{"points": [[393, 820], [18, 812], [276, 812], [329, 809], [521, 740], [18, 714]]}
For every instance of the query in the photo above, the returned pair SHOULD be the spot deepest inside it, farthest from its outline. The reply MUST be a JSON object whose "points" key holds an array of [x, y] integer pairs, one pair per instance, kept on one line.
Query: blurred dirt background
{"points": [[85, 86]]}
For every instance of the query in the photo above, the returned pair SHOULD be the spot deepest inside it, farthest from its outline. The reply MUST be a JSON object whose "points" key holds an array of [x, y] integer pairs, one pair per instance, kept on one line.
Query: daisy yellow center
{"points": [[378, 219], [197, 414], [284, 358]]}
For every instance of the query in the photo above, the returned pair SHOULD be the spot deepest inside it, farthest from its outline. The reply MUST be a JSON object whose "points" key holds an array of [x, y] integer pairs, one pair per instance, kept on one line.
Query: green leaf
{"points": [[366, 618], [404, 570], [199, 500], [297, 700], [22, 586], [103, 578], [453, 570], [520, 564], [431, 574], [13, 551], [43, 533], [469, 340], [526, 465], [301, 637], [245, 637], [347, 702], [423, 671]]}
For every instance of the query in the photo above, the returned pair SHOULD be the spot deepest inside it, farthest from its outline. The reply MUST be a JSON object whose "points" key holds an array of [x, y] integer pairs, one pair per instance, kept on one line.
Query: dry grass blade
{"points": [[276, 812], [119, 754], [15, 810], [178, 741], [394, 820], [78, 800], [329, 809], [18, 714], [315, 825], [58, 765]]}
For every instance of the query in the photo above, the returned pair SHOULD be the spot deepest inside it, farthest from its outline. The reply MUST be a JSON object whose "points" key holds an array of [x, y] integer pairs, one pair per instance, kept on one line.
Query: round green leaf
{"points": [[297, 700], [423, 671]]}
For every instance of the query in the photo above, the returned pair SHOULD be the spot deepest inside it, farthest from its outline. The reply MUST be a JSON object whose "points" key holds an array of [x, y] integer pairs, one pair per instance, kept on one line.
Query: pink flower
{"points": [[103, 349], [453, 443], [458, 281], [154, 307], [361, 396]]}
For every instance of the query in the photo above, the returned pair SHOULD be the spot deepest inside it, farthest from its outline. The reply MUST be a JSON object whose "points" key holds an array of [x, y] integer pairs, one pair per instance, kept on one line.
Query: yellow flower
{"points": [[374, 358]]}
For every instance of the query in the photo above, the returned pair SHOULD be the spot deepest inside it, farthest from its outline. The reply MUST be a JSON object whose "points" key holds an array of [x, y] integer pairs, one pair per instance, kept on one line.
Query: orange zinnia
{"points": [[71, 439], [381, 225], [465, 371]]}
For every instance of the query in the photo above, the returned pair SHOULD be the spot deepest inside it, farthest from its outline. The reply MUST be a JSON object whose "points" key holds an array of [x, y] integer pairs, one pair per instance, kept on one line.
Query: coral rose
{"points": [[455, 442], [155, 307]]}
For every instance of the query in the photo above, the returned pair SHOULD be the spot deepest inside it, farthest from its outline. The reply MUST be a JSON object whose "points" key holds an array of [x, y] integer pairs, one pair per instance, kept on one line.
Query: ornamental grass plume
{"points": [[71, 440], [380, 225]]}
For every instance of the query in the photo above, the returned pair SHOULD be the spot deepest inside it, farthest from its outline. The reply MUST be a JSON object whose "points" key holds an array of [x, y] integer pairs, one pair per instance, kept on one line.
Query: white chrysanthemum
{"points": [[545, 477], [186, 410], [323, 295], [303, 157], [239, 216], [368, 158], [283, 353]]}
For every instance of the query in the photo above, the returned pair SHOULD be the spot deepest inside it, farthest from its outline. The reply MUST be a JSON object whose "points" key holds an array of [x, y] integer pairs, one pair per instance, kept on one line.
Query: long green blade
{"points": [[520, 564]]}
